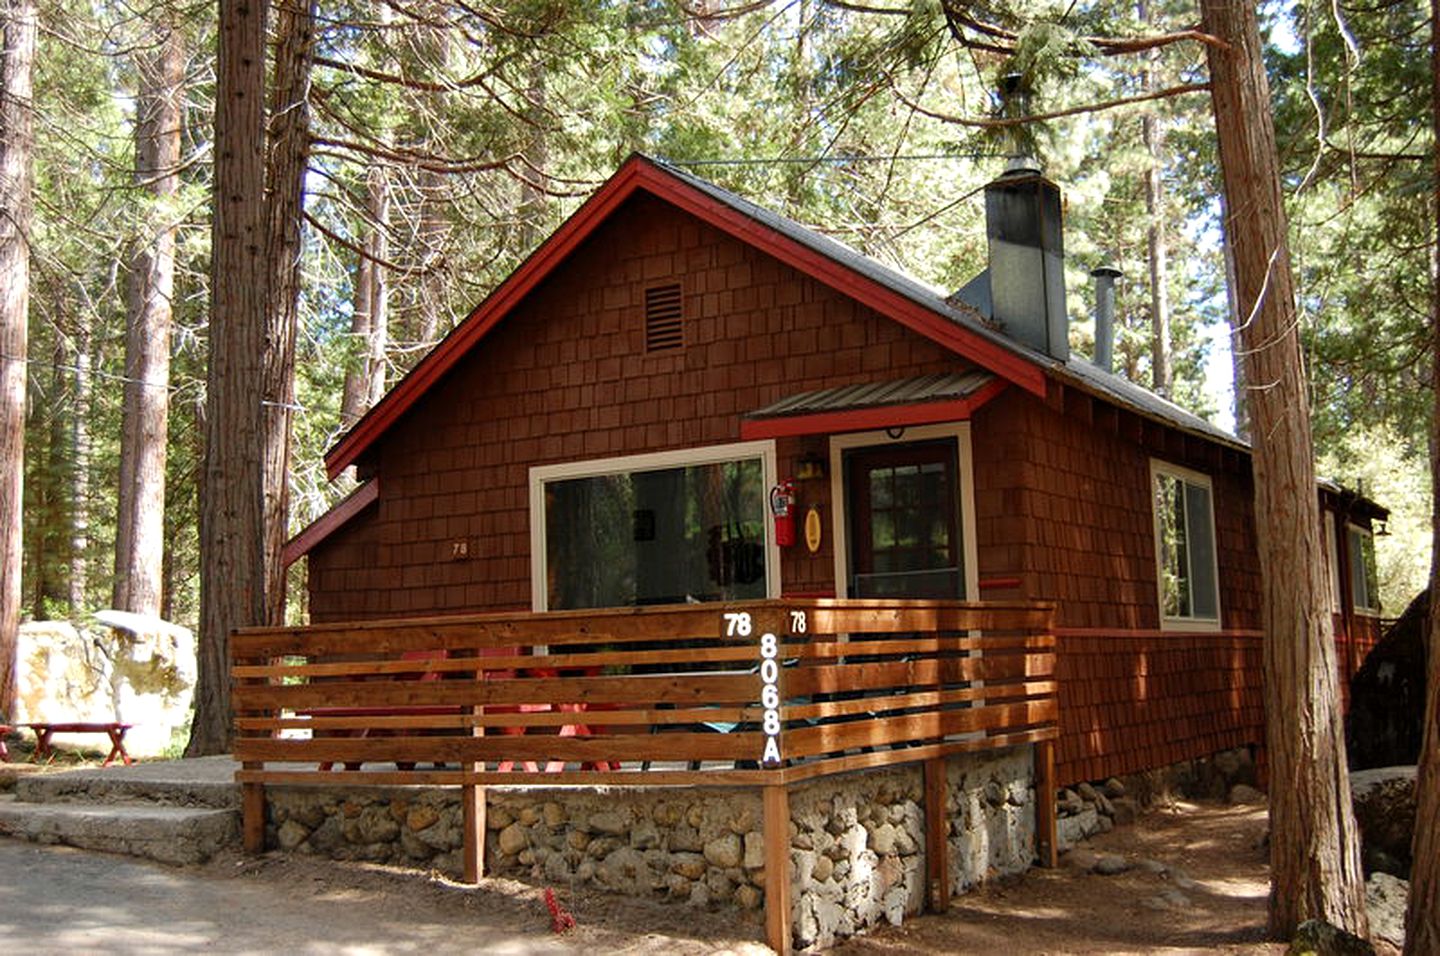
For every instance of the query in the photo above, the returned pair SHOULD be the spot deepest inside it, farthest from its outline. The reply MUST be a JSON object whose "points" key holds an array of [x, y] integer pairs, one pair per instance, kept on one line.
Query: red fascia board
{"points": [[485, 316], [870, 419], [330, 522], [640, 173]]}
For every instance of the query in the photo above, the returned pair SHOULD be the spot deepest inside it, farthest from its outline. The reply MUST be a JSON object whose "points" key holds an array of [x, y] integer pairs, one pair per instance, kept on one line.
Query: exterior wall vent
{"points": [[664, 320]]}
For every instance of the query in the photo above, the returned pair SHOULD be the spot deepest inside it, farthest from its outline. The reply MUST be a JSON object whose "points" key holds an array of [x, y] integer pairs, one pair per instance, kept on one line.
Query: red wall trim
{"points": [[869, 419], [641, 173], [994, 584], [330, 522], [1123, 633]]}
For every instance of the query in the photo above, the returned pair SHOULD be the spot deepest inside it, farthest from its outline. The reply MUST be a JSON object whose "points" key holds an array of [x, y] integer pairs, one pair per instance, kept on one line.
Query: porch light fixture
{"points": [[810, 467], [1383, 531]]}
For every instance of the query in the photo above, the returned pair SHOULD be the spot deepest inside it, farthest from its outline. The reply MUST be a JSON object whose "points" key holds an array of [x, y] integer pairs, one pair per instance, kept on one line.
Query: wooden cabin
{"points": [[616, 422]]}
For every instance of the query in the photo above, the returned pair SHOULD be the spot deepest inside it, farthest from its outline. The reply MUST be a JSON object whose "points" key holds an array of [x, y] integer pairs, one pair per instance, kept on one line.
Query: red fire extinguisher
{"points": [[782, 506]]}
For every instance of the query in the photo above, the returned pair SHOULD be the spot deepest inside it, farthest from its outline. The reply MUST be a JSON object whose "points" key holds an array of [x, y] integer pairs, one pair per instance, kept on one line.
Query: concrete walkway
{"points": [[58, 900]]}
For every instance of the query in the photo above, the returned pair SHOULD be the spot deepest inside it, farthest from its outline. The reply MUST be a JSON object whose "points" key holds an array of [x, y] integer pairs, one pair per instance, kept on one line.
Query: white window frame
{"points": [[840, 517], [1332, 559], [1158, 468], [540, 475], [1354, 556]]}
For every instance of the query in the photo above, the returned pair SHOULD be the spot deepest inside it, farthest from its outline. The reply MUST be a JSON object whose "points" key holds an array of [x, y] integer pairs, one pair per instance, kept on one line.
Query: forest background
{"points": [[446, 140]]}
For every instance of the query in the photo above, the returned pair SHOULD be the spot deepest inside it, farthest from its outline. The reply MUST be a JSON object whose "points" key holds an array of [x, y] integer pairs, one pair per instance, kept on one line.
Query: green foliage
{"points": [[863, 126], [1392, 469]]}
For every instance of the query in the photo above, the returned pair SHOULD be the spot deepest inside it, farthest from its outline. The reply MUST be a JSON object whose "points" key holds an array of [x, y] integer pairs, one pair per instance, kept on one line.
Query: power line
{"points": [[793, 160]]}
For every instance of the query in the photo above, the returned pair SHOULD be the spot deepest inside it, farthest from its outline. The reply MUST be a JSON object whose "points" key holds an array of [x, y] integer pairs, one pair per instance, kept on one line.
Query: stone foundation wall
{"points": [[857, 841]]}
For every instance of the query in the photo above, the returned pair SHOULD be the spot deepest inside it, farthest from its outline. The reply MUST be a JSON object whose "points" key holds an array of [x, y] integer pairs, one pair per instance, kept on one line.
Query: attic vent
{"points": [[663, 319]]}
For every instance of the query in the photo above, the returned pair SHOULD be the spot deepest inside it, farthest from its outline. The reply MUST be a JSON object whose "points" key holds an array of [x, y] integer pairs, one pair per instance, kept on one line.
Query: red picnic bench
{"points": [[113, 729], [5, 730]]}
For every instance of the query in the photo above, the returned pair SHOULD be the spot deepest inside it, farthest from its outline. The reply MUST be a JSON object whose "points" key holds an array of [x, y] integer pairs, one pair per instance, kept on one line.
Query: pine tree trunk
{"points": [[140, 519], [379, 342], [79, 544], [536, 156], [232, 564], [1314, 847], [1152, 132], [434, 276], [289, 150], [44, 491], [1422, 919], [1241, 405], [433, 288], [17, 180], [369, 321]]}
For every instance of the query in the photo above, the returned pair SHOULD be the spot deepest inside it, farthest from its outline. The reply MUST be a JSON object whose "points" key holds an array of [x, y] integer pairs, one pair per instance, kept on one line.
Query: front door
{"points": [[904, 532]]}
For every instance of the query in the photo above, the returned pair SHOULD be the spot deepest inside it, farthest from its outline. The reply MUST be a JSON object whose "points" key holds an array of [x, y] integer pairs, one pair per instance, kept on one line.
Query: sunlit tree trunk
{"points": [[369, 317], [289, 149], [1422, 919], [17, 182], [232, 563], [140, 517], [1152, 131], [82, 383], [1314, 847]]}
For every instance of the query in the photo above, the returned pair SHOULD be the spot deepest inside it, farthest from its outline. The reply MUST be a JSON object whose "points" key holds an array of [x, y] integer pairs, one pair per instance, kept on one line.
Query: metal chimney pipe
{"points": [[1105, 277]]}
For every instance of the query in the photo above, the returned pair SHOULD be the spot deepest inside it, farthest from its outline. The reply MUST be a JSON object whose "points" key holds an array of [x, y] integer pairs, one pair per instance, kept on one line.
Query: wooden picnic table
{"points": [[113, 729]]}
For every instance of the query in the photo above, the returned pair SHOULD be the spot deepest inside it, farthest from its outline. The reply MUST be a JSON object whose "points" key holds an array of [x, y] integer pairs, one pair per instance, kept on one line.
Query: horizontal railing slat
{"points": [[897, 679]]}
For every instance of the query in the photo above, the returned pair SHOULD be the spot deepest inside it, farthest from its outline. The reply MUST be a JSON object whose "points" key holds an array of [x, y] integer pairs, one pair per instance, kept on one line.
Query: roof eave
{"points": [[638, 173]]}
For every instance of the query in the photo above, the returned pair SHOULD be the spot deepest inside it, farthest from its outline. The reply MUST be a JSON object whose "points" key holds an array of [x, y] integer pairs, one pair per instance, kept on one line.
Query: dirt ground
{"points": [[1197, 883], [1209, 898]]}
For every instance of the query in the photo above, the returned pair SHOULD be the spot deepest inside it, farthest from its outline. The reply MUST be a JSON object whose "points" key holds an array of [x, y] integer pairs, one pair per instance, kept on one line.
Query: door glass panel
{"points": [[904, 515]]}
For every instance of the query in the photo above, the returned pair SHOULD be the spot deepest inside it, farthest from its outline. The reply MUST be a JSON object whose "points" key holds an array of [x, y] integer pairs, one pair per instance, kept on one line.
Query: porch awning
{"points": [[923, 400]]}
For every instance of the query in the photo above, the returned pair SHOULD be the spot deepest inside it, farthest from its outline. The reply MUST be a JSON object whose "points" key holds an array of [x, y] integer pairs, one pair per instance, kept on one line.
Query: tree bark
{"points": [[369, 317], [1314, 847], [80, 470], [232, 564], [1422, 918], [289, 150], [1238, 390], [17, 182], [140, 518], [1153, 133]]}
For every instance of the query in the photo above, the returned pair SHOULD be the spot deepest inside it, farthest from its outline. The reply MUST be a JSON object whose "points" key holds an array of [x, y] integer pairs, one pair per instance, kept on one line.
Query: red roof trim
{"points": [[871, 419], [640, 173], [330, 522]]}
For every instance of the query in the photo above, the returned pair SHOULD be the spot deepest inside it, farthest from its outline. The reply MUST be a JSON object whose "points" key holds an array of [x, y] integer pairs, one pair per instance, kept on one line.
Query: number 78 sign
{"points": [[740, 624]]}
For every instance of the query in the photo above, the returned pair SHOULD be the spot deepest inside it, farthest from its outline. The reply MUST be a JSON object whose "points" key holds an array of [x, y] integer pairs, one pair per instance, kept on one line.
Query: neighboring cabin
{"points": [[605, 429]]}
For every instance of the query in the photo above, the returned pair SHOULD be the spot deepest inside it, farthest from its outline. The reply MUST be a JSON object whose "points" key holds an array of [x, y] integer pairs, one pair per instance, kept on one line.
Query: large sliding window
{"points": [[1185, 546], [655, 529]]}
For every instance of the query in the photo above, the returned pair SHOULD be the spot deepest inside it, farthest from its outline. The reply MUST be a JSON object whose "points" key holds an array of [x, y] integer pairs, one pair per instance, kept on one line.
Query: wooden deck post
{"points": [[937, 837], [252, 812], [472, 806], [472, 803], [777, 868], [1046, 838]]}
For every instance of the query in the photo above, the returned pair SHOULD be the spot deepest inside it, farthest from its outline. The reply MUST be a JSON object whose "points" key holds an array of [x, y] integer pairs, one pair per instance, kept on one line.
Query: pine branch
{"points": [[1001, 123]]}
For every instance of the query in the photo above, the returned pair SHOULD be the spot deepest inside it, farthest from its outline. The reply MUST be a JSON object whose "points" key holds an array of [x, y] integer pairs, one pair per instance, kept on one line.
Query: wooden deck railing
{"points": [[766, 694]]}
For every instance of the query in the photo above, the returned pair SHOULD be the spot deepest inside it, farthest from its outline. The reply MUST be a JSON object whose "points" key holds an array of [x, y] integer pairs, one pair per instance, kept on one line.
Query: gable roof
{"points": [[891, 293], [925, 310]]}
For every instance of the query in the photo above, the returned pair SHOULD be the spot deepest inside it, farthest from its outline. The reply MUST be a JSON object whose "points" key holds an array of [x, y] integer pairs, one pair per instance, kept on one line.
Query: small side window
{"points": [[1332, 558], [1364, 582], [1185, 546]]}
